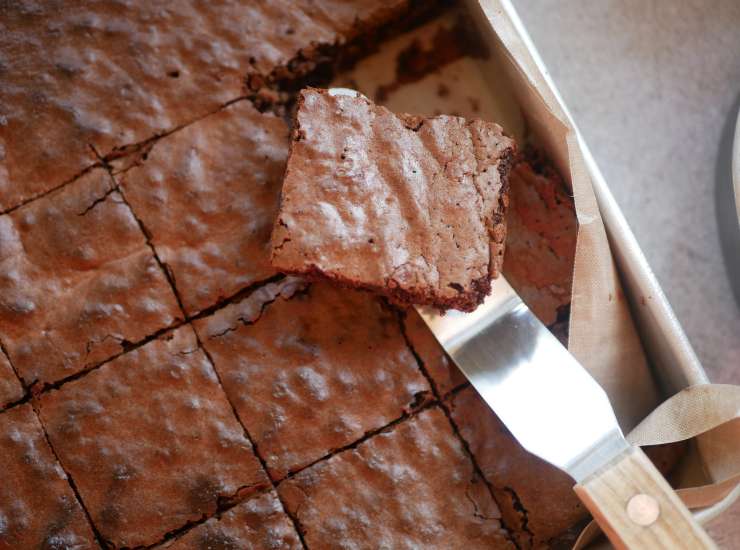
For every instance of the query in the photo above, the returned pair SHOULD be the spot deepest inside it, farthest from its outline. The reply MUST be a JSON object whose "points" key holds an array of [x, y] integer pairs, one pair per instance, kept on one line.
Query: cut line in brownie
{"points": [[208, 196], [151, 440], [38, 508], [531, 492], [409, 207], [78, 283], [258, 522], [311, 373], [10, 387], [412, 486]]}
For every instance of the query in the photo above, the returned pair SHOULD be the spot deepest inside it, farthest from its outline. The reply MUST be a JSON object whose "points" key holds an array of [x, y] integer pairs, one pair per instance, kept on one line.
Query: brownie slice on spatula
{"points": [[410, 207]]}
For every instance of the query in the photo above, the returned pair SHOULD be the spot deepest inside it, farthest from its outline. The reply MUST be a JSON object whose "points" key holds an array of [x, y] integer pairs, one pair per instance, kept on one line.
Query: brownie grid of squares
{"points": [[150, 440], [208, 194], [109, 74], [10, 388], [311, 373], [412, 486], [77, 281], [37, 506], [259, 522]]}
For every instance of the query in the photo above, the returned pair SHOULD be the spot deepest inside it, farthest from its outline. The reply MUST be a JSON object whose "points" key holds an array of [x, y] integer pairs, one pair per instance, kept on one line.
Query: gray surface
{"points": [[651, 85]]}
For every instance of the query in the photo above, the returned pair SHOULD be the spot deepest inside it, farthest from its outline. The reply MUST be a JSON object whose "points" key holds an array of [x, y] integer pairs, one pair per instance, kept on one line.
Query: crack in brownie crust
{"points": [[150, 440], [314, 373], [542, 490], [222, 175], [412, 486], [258, 522], [409, 207], [76, 272], [37, 506]]}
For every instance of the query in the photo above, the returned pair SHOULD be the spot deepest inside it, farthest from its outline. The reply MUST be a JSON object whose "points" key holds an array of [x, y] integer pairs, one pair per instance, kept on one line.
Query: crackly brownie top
{"points": [[314, 372], [150, 440], [77, 281], [107, 74], [258, 522], [411, 487], [37, 506], [208, 196], [545, 502], [407, 206]]}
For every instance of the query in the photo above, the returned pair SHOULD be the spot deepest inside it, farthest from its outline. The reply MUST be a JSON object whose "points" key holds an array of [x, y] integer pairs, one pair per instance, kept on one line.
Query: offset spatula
{"points": [[558, 412]]}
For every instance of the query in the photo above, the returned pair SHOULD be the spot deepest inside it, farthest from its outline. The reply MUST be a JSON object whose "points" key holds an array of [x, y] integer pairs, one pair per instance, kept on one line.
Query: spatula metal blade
{"points": [[548, 401]]}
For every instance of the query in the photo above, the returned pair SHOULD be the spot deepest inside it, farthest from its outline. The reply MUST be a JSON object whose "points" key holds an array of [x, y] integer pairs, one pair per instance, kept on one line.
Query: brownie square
{"points": [[409, 207], [258, 522], [532, 493], [10, 387], [77, 281], [208, 196], [311, 373], [150, 440], [410, 487], [37, 506], [541, 245], [109, 74]]}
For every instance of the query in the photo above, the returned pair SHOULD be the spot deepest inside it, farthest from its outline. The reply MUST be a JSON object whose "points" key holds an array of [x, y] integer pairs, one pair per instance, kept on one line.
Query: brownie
{"points": [[208, 196], [311, 373], [150, 440], [409, 207], [10, 387], [258, 522], [541, 244], [38, 508], [535, 496], [77, 281], [105, 74], [410, 487]]}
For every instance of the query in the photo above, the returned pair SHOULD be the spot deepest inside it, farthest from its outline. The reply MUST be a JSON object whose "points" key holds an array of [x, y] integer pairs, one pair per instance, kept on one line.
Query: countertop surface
{"points": [[653, 84]]}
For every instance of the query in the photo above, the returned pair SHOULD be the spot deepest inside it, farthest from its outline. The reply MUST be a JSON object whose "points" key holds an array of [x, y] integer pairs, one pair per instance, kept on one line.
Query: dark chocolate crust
{"points": [[438, 236]]}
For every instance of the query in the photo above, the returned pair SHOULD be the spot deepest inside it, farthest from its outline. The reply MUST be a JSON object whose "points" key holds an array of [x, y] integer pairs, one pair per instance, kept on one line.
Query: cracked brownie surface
{"points": [[410, 487], [258, 522], [10, 387], [312, 373], [150, 440], [407, 206], [37, 506], [77, 281], [222, 176], [107, 74], [532, 494]]}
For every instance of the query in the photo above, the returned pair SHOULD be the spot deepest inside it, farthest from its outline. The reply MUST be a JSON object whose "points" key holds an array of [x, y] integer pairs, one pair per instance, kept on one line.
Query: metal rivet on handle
{"points": [[643, 510]]}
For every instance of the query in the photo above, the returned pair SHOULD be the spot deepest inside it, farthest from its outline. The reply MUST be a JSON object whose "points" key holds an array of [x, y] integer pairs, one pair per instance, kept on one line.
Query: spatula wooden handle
{"points": [[637, 509]]}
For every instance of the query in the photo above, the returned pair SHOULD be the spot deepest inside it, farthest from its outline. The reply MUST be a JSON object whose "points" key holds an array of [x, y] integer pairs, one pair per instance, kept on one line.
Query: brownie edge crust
{"points": [[407, 206]]}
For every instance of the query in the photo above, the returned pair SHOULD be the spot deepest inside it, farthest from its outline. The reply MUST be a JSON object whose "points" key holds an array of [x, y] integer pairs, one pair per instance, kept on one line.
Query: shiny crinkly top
{"points": [[410, 207]]}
